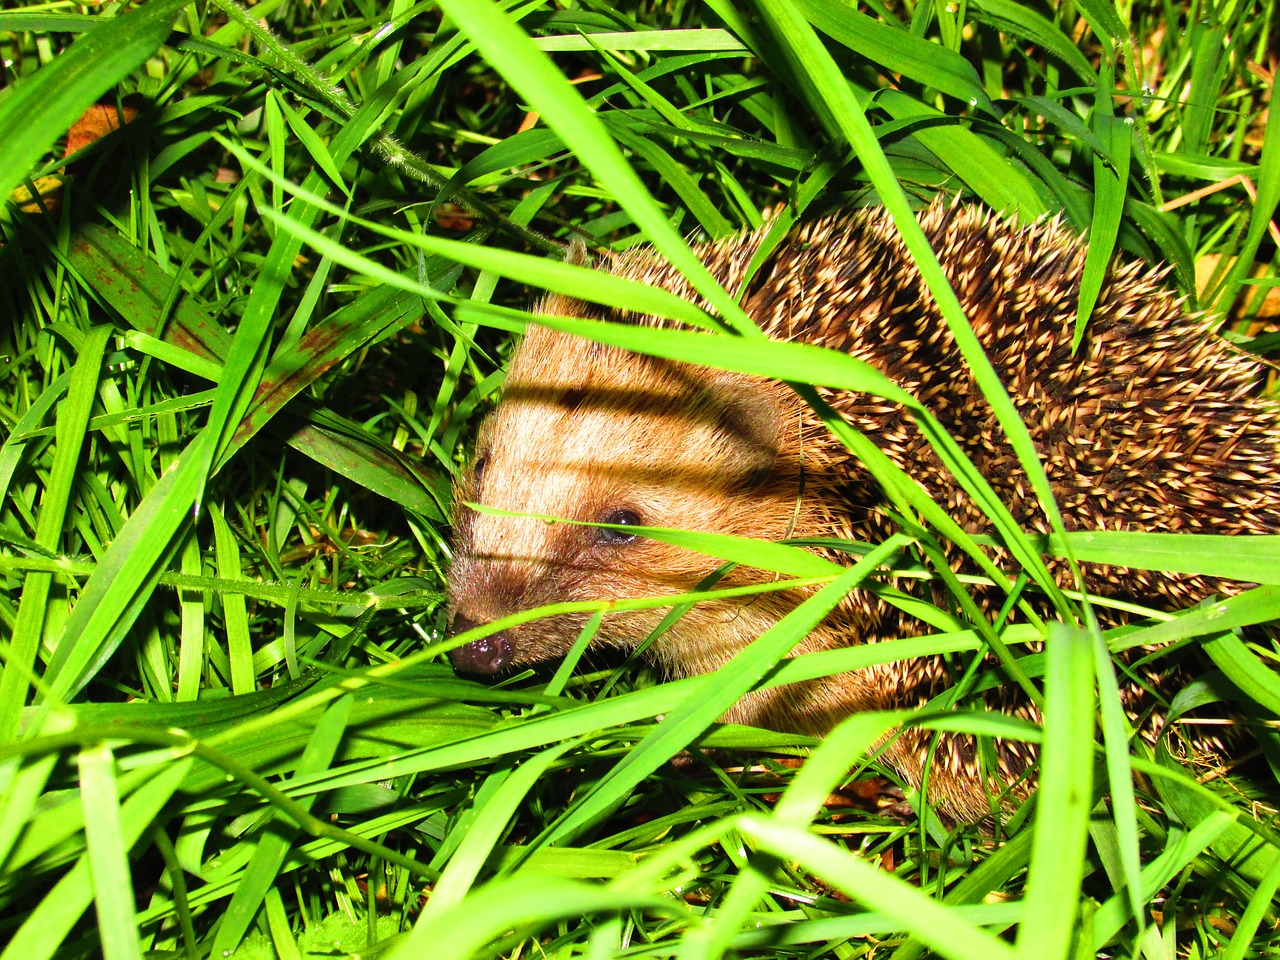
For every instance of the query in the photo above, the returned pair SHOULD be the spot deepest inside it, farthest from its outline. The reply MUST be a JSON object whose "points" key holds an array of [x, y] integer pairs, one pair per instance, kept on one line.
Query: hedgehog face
{"points": [[596, 435]]}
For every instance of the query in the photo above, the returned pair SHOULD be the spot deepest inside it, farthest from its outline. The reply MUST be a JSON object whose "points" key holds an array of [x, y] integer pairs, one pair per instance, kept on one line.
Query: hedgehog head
{"points": [[593, 434]]}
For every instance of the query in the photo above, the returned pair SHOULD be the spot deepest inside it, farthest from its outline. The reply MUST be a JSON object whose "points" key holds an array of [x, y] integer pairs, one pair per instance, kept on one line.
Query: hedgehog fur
{"points": [[1150, 426]]}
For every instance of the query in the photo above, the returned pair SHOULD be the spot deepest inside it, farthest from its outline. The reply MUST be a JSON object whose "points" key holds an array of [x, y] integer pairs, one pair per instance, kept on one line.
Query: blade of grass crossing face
{"points": [[71, 430], [805, 363], [717, 693], [1065, 798], [762, 555]]}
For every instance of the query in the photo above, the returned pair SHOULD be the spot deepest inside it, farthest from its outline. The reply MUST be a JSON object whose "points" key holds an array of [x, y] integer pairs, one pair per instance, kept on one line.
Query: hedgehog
{"points": [[1150, 425]]}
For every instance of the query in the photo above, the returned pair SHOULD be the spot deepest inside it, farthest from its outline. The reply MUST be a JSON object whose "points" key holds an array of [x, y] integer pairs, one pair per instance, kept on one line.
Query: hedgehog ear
{"points": [[577, 255], [752, 412], [561, 304]]}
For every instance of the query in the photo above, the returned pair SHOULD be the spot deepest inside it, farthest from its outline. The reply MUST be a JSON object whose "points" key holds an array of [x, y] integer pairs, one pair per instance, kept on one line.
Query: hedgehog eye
{"points": [[477, 469], [623, 518]]}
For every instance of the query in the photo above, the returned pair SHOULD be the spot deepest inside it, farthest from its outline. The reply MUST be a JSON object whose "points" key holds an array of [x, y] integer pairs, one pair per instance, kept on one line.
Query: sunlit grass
{"points": [[243, 358]]}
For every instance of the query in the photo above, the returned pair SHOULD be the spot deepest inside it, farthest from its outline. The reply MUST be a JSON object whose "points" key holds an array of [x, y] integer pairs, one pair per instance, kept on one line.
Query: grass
{"points": [[251, 331]]}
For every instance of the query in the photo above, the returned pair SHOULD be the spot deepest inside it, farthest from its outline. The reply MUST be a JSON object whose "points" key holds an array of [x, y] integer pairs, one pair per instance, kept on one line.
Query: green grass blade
{"points": [[899, 51], [135, 286], [1021, 21], [1248, 558], [30, 628], [1001, 187], [716, 694], [1064, 800], [478, 845], [43, 931], [1111, 183], [1106, 23], [527, 905], [1260, 904], [1259, 682], [529, 71], [808, 56], [234, 610], [1116, 733], [910, 910], [1182, 849], [823, 771], [108, 855], [1205, 43], [276, 838], [1264, 209]]}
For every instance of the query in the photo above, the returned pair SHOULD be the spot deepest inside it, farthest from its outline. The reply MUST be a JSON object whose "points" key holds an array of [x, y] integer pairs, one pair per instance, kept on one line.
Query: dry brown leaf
{"points": [[98, 121]]}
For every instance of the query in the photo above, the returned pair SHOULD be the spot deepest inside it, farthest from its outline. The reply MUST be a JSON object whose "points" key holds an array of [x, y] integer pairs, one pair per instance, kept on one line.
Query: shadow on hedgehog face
{"points": [[591, 433]]}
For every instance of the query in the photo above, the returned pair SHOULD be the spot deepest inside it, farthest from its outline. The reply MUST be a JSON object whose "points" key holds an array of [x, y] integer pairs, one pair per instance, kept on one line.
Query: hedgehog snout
{"points": [[488, 655]]}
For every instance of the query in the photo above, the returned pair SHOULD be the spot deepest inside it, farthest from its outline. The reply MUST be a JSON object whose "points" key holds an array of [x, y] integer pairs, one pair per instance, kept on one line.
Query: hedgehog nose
{"points": [[487, 655]]}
